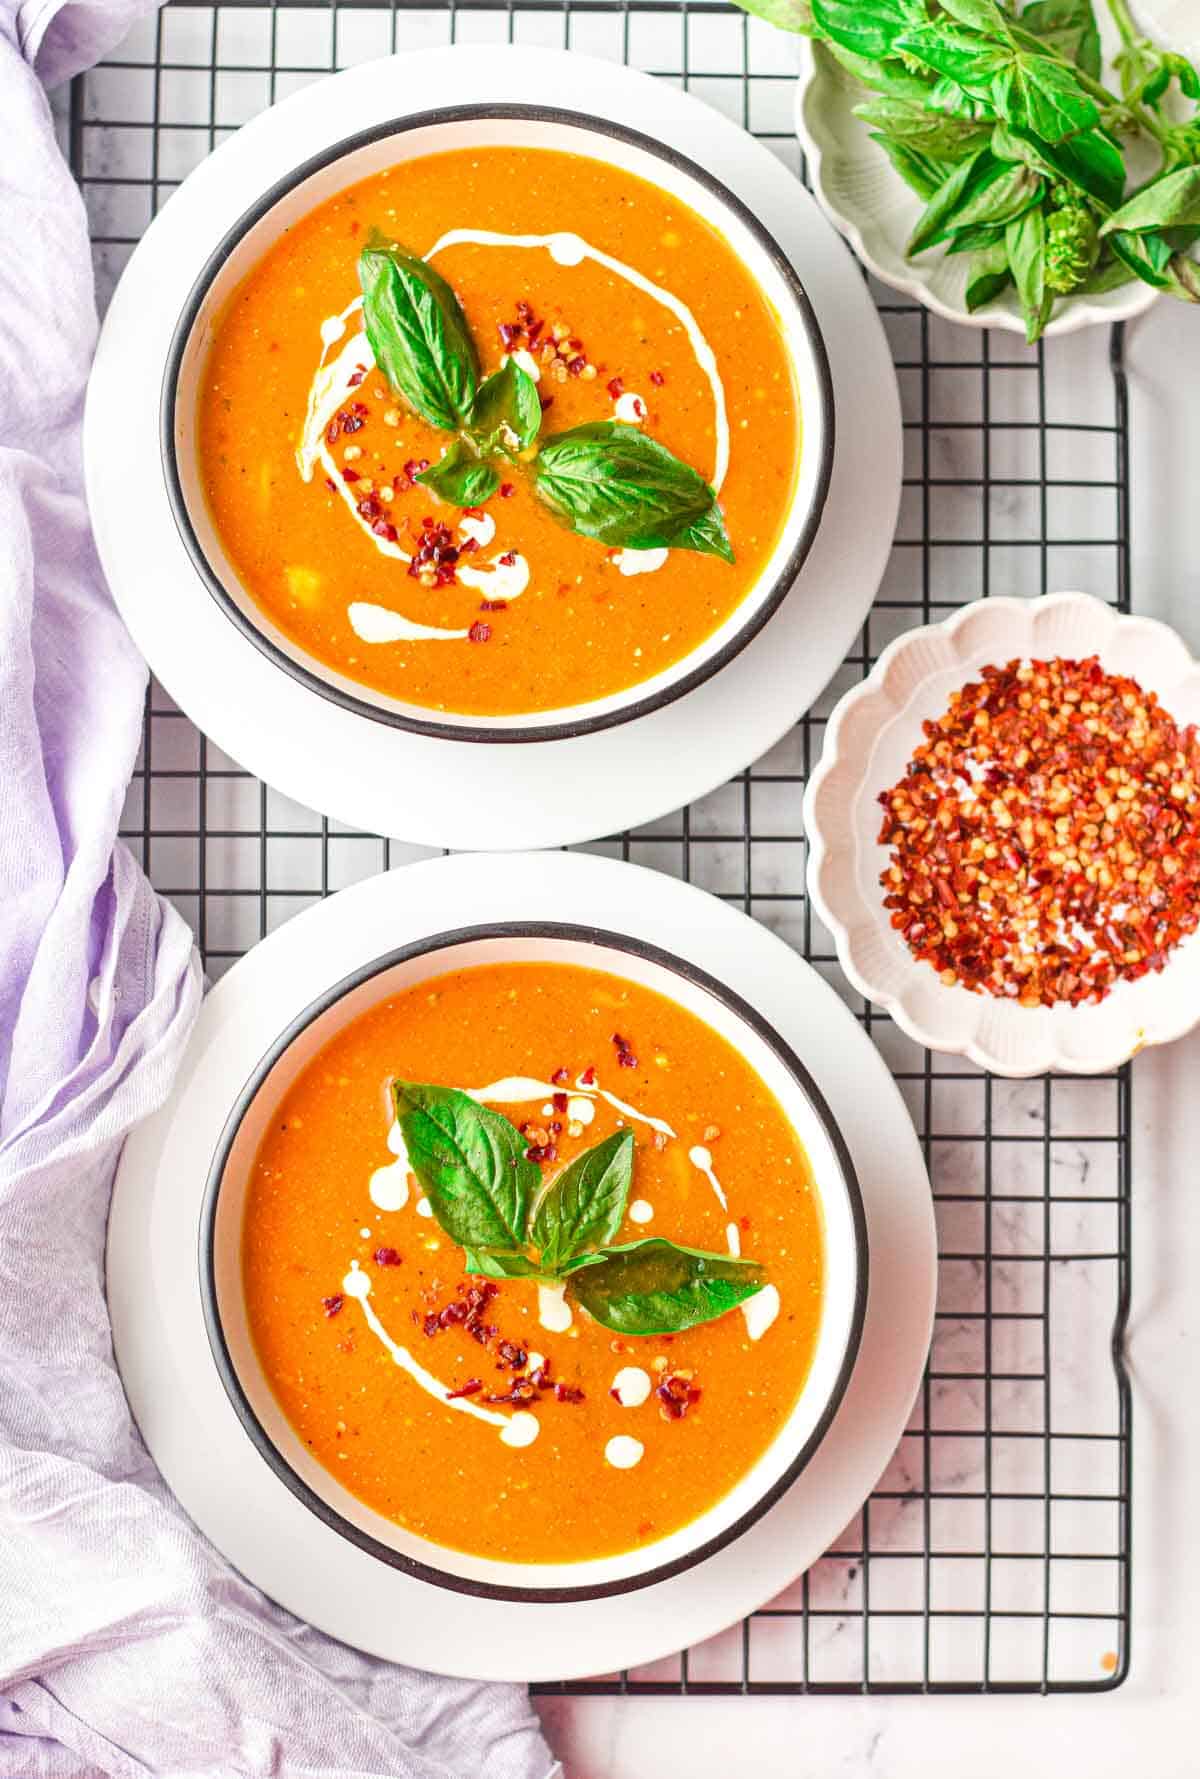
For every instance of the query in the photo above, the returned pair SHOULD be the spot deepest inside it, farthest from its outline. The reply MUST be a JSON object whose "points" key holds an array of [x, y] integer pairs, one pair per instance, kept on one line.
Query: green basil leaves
{"points": [[655, 1287], [493, 1202], [418, 333], [605, 480], [460, 477], [956, 87], [508, 412], [612, 482]]}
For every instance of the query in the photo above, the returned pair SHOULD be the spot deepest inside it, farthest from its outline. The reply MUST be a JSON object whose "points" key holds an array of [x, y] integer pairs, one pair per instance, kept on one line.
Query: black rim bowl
{"points": [[482, 732], [258, 1435]]}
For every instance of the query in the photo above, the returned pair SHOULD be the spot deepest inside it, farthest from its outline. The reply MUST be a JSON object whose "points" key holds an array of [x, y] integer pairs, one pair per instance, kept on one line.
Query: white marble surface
{"points": [[1150, 1724]]}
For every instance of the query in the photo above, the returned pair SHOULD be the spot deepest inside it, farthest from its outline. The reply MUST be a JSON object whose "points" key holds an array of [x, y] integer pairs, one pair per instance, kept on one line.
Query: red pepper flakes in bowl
{"points": [[1046, 836]]}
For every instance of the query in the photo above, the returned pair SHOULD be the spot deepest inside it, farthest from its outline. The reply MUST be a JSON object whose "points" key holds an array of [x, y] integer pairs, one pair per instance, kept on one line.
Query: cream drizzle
{"points": [[639, 561], [701, 1158], [567, 249], [760, 1311], [631, 1386], [641, 1211], [554, 1312], [378, 623], [389, 1185], [623, 1452], [519, 1429]]}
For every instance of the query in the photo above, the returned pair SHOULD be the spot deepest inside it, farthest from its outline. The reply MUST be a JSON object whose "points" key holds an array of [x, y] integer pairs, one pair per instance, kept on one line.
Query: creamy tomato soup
{"points": [[517, 589], [561, 1414]]}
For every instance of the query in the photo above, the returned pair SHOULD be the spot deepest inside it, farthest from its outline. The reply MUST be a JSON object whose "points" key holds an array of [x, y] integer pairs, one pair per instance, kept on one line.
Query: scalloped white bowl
{"points": [[867, 201], [870, 740]]}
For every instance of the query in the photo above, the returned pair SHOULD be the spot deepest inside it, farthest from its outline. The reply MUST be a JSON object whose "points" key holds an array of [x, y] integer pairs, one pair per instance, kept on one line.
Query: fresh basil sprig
{"points": [[945, 75], [470, 1162], [605, 480], [612, 482]]}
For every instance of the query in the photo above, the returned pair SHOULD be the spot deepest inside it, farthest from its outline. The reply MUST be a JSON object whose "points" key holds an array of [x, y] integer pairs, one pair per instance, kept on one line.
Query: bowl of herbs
{"points": [[1027, 166]]}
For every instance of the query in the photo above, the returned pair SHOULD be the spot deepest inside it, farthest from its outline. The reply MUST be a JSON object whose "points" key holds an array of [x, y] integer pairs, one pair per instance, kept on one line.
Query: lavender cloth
{"points": [[127, 1645]]}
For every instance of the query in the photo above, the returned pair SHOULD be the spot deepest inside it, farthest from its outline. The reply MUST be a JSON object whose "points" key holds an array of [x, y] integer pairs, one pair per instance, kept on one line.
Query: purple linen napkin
{"points": [[127, 1645]]}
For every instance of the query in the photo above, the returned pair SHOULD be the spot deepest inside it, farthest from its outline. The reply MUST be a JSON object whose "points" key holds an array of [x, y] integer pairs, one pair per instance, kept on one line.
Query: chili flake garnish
{"points": [[1046, 836], [625, 1057], [676, 1394], [331, 1305], [387, 1257]]}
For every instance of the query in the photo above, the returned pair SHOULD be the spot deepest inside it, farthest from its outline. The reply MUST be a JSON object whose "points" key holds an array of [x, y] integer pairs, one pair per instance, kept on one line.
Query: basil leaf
{"points": [[1025, 243], [917, 170], [655, 1287], [868, 27], [495, 1263], [612, 482], [969, 61], [460, 477], [980, 15], [471, 1165], [1147, 256], [946, 95], [584, 1205], [886, 76], [1109, 273], [1069, 26], [1169, 202], [980, 235], [1091, 160], [507, 413], [932, 132], [418, 333], [1043, 95], [988, 277], [983, 190]]}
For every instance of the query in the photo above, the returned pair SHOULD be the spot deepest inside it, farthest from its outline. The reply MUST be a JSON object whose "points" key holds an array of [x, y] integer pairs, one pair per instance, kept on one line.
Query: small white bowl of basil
{"points": [[390, 275], [844, 1280], [1028, 166]]}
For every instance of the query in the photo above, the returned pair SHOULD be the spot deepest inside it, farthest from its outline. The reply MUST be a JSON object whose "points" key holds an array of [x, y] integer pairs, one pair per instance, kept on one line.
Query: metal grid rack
{"points": [[995, 1553]]}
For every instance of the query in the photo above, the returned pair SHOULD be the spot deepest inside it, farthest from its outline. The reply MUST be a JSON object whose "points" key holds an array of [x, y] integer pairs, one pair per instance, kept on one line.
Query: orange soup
{"points": [[597, 1366], [499, 431]]}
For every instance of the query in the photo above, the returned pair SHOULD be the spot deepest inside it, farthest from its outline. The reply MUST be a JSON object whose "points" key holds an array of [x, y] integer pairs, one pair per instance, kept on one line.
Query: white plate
{"points": [[870, 738], [455, 794], [192, 1429], [863, 195]]}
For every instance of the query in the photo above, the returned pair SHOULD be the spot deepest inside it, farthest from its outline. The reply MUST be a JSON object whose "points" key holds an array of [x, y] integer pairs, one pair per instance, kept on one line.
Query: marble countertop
{"points": [[1153, 1718]]}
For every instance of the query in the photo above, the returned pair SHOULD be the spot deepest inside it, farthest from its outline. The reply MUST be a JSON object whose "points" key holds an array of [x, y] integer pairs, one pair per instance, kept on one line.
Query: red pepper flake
{"points": [[331, 484], [506, 491], [676, 1394], [1046, 836], [588, 1077], [472, 1387], [511, 1357], [657, 378], [353, 381], [493, 605], [350, 475], [508, 559], [547, 402], [615, 387], [625, 1056], [567, 1393], [331, 1305], [561, 1076], [472, 512], [479, 632], [387, 1257], [541, 1152], [559, 1100]]}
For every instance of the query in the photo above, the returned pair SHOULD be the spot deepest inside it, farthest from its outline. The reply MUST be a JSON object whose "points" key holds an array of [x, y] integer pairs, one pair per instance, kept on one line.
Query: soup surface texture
{"points": [[570, 1441], [308, 456]]}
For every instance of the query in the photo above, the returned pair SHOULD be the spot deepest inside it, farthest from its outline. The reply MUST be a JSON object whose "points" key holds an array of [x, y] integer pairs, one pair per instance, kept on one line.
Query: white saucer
{"points": [[456, 794], [193, 1432]]}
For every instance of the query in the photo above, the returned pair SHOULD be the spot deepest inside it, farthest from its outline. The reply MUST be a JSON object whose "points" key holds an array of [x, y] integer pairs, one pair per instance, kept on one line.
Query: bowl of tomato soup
{"points": [[498, 424], [533, 1262]]}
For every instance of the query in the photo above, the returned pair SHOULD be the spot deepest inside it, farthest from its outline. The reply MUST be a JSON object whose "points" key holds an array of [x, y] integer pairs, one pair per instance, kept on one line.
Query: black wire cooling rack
{"points": [[995, 1554]]}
